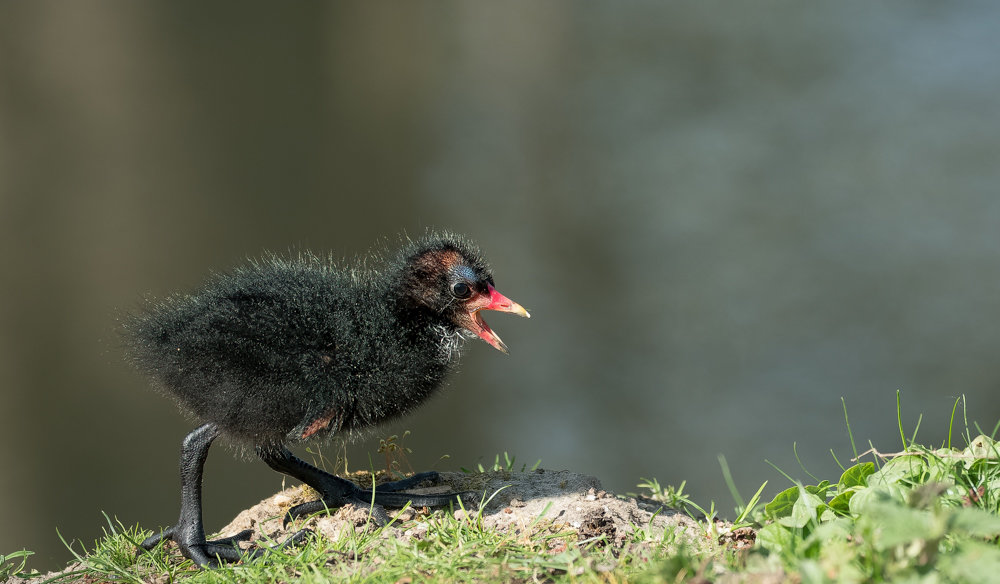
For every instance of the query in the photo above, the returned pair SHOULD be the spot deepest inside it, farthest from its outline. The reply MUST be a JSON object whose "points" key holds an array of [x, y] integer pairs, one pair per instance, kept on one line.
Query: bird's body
{"points": [[291, 349], [278, 345]]}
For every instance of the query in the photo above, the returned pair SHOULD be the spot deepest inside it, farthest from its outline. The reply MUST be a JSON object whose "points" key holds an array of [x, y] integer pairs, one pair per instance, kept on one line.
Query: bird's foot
{"points": [[211, 553], [385, 495]]}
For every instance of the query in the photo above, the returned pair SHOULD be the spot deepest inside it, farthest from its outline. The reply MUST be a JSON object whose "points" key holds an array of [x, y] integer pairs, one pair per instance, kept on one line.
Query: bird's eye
{"points": [[461, 290]]}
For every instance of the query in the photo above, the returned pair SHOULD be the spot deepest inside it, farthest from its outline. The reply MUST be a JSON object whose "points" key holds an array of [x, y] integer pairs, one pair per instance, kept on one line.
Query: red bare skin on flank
{"points": [[319, 423]]}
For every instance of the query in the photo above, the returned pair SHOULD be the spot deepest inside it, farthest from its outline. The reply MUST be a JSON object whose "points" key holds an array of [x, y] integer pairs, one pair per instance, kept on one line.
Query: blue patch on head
{"points": [[466, 273]]}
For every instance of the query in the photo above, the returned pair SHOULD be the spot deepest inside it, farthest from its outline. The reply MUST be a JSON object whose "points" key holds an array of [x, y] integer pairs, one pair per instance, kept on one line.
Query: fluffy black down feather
{"points": [[286, 349]]}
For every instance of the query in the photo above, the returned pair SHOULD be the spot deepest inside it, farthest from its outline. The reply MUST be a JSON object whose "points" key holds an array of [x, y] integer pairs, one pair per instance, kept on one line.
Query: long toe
{"points": [[225, 549], [377, 511], [319, 505], [294, 539], [232, 540], [154, 540], [307, 508], [408, 482], [209, 554], [203, 553], [396, 499]]}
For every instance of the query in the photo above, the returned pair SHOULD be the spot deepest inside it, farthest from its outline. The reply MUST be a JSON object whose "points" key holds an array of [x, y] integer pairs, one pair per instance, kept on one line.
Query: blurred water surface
{"points": [[723, 217]]}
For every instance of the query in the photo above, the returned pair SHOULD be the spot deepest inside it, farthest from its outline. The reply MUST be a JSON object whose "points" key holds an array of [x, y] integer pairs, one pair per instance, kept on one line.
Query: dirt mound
{"points": [[513, 501]]}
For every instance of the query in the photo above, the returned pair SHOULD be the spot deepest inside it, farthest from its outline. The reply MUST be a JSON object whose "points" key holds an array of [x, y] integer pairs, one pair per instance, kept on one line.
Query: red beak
{"points": [[500, 303]]}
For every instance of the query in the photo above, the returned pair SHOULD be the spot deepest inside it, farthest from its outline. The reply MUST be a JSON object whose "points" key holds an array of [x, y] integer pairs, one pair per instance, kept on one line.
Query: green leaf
{"points": [[865, 498], [841, 503], [975, 562], [803, 510], [811, 571], [906, 467], [982, 446], [781, 505], [975, 522], [775, 538], [892, 524], [856, 476], [826, 514], [836, 530], [818, 490]]}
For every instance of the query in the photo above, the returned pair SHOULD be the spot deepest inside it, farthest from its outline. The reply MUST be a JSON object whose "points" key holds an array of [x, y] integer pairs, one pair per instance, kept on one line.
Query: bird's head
{"points": [[448, 276]]}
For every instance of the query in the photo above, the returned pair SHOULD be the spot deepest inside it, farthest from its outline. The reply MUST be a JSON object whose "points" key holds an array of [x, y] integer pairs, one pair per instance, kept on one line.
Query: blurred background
{"points": [[723, 217]]}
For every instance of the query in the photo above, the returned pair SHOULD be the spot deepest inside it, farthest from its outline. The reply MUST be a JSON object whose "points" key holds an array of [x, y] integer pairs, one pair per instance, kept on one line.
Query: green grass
{"points": [[921, 514], [453, 549], [14, 564]]}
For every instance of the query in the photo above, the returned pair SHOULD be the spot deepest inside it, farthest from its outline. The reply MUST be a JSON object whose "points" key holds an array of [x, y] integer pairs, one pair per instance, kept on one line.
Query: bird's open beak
{"points": [[500, 303]]}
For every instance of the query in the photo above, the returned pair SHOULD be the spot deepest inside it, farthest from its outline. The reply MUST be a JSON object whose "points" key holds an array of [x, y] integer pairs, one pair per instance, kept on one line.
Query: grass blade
{"points": [[899, 420], [728, 477], [951, 422], [850, 434]]}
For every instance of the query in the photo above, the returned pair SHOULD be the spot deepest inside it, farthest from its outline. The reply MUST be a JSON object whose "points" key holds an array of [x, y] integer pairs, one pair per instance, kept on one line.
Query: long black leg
{"points": [[189, 533], [336, 492]]}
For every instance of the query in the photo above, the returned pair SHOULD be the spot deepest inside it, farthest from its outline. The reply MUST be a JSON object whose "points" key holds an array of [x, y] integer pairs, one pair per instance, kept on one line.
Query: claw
{"points": [[209, 553]]}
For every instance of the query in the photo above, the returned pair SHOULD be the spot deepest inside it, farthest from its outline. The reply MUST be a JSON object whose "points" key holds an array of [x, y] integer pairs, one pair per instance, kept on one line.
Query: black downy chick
{"points": [[286, 350]]}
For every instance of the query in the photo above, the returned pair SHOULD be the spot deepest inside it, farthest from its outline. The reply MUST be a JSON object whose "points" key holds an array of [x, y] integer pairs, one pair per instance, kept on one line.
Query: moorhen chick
{"points": [[284, 350]]}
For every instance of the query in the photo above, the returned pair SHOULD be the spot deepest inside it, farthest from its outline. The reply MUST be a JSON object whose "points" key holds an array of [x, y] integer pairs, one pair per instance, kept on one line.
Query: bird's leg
{"points": [[189, 533], [337, 492]]}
